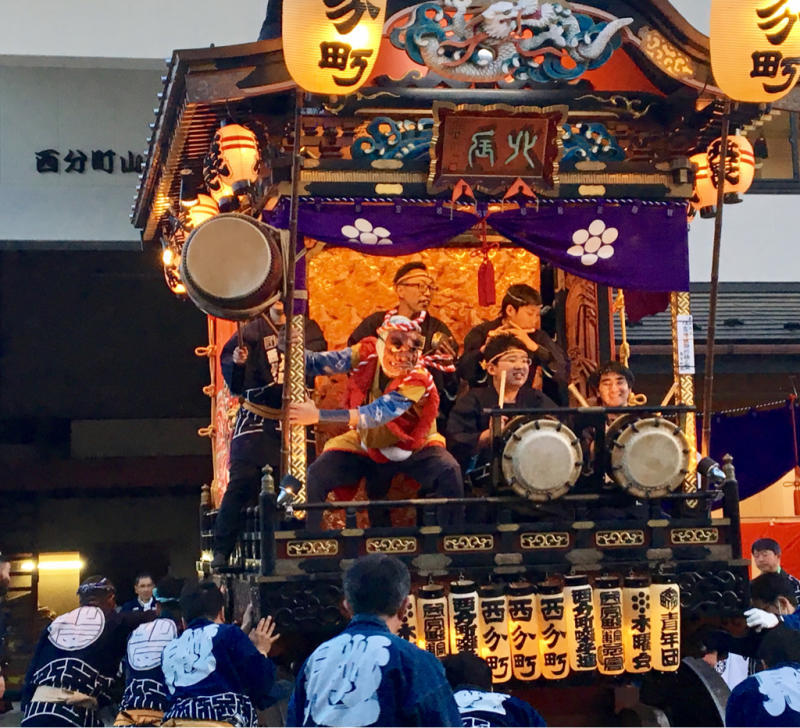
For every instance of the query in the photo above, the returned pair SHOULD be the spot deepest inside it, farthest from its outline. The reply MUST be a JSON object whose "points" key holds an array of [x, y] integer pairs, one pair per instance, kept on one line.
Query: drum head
{"points": [[650, 458], [542, 459], [230, 265]]}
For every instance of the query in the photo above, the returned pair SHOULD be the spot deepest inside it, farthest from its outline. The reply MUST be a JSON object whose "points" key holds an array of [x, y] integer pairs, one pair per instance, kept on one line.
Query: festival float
{"points": [[559, 144]]}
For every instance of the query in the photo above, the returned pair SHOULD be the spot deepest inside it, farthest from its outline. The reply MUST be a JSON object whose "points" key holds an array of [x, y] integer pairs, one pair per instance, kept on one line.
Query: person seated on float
{"points": [[414, 287], [469, 438], [471, 679], [392, 406], [520, 315], [613, 383]]}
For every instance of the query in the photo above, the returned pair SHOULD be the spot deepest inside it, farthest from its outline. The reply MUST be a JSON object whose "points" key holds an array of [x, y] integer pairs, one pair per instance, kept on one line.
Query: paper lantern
{"points": [[705, 193], [637, 630], [665, 600], [608, 625], [240, 157], [754, 48], [205, 208], [463, 609], [523, 631], [552, 632], [493, 643], [740, 166], [580, 623], [432, 619], [330, 46], [408, 624]]}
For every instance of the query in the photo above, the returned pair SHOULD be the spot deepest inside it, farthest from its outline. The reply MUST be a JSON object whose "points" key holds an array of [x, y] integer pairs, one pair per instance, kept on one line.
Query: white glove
{"points": [[758, 619]]}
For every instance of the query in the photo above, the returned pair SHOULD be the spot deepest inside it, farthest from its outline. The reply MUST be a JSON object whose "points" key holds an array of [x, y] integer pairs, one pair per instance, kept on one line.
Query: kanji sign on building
{"points": [[330, 46], [490, 147], [755, 48]]}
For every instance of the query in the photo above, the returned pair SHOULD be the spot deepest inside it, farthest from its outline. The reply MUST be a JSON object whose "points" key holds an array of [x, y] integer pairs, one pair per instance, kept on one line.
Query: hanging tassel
{"points": [[487, 296]]}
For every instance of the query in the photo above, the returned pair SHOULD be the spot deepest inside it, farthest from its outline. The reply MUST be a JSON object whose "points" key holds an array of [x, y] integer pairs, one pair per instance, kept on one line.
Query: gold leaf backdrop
{"points": [[344, 286]]}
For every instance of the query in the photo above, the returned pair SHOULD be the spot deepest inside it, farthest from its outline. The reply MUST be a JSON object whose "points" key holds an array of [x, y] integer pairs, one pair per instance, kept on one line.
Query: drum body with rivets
{"points": [[542, 458], [231, 266], [649, 457]]}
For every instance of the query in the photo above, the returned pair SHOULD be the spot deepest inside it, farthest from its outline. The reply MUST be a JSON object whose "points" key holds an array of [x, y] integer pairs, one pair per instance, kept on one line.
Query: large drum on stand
{"points": [[649, 457], [231, 266], [542, 458]]}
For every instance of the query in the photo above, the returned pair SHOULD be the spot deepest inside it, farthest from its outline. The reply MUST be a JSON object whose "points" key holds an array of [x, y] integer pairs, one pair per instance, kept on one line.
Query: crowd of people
{"points": [[413, 405], [174, 661]]}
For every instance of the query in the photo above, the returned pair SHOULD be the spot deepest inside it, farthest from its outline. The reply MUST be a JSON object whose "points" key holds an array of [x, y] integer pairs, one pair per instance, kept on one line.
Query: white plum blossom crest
{"points": [[593, 243], [362, 231]]}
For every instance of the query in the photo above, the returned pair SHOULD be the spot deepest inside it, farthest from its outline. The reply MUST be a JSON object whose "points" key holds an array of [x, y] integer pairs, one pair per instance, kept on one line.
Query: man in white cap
{"points": [[392, 406]]}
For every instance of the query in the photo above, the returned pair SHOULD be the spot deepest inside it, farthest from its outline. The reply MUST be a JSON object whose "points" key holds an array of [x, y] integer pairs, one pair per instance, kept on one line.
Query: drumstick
{"points": [[576, 393], [502, 388], [239, 334], [669, 394]]}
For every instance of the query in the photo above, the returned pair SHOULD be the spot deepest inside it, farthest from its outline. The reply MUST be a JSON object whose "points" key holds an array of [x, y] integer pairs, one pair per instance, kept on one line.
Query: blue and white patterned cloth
{"points": [[368, 676], [214, 672], [483, 708], [768, 698]]}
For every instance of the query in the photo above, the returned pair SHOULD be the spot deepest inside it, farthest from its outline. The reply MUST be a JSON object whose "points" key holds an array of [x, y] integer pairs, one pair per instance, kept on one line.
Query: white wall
{"points": [[125, 28], [79, 109]]}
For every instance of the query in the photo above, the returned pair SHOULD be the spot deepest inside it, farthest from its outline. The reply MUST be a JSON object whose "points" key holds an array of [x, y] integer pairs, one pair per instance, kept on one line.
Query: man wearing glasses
{"points": [[392, 405], [469, 437], [415, 287]]}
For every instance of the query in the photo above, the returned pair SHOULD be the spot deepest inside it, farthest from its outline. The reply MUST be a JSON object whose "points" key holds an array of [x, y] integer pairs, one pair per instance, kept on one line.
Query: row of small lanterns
{"points": [[526, 631], [230, 168]]}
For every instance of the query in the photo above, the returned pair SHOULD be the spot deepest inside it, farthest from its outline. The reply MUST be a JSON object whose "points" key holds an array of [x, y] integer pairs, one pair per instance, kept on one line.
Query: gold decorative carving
{"points": [[549, 540], [469, 543], [322, 547], [694, 535], [393, 545], [619, 538], [665, 55], [583, 334], [297, 391]]}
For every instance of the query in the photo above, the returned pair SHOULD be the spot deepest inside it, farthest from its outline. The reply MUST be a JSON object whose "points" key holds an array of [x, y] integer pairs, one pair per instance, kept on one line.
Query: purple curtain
{"points": [[761, 443], [626, 244]]}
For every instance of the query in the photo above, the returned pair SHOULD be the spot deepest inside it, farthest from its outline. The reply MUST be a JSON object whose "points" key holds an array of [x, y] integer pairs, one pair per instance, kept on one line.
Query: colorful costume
{"points": [[482, 708], [446, 381], [146, 697], [74, 666], [214, 672], [256, 441], [396, 431], [368, 676]]}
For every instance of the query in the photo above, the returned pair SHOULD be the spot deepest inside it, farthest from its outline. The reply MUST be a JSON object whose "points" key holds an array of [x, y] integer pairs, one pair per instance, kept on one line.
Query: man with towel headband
{"points": [[392, 407]]}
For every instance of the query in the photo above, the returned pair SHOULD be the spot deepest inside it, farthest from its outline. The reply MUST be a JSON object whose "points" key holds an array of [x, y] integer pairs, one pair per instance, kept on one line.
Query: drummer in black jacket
{"points": [[468, 434], [255, 373]]}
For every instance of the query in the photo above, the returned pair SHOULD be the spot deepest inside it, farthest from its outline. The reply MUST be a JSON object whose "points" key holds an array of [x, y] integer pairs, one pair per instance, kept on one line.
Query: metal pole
{"points": [[708, 379]]}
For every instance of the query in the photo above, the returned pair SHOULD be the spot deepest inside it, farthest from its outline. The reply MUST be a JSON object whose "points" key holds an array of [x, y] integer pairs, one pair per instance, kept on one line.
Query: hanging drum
{"points": [[542, 458], [231, 266], [648, 458]]}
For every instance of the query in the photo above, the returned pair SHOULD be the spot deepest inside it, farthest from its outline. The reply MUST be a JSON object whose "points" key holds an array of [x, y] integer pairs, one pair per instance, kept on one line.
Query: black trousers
{"points": [[434, 468]]}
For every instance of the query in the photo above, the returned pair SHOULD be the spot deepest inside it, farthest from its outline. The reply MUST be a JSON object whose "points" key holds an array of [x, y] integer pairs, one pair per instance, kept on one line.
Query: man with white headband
{"points": [[414, 287], [392, 407]]}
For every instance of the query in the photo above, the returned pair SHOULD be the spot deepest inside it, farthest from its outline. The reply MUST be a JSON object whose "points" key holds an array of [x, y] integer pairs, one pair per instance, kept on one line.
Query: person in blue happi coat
{"points": [[146, 698], [471, 680], [771, 697], [73, 669], [213, 671], [368, 675]]}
